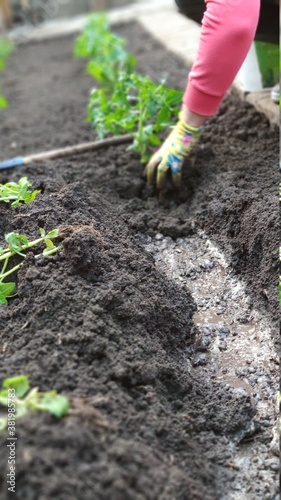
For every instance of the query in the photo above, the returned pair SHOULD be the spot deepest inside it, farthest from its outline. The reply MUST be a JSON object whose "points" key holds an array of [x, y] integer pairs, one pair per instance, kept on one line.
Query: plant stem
{"points": [[8, 198], [50, 252], [9, 253], [13, 270], [4, 266]]}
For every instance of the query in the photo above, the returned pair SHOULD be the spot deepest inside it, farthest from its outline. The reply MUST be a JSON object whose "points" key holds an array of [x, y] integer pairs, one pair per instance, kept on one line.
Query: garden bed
{"points": [[102, 323]]}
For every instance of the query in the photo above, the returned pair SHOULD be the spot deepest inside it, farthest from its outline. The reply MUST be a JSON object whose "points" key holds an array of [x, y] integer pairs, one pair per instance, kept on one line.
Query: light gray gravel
{"points": [[234, 344]]}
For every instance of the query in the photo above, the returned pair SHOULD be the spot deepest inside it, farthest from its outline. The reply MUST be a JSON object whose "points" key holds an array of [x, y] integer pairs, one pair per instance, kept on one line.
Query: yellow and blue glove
{"points": [[170, 157]]}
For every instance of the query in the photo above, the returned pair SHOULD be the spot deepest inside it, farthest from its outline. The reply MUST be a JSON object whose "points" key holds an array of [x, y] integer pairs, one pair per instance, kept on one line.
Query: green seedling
{"points": [[17, 193], [137, 105], [17, 395], [18, 244], [6, 47], [127, 102], [105, 51]]}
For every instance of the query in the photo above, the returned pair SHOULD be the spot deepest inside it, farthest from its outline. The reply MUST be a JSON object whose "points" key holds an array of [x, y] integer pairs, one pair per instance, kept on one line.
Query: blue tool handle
{"points": [[15, 162]]}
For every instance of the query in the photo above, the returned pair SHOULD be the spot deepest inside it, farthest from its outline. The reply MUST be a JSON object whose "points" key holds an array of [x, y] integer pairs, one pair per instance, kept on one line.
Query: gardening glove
{"points": [[171, 155]]}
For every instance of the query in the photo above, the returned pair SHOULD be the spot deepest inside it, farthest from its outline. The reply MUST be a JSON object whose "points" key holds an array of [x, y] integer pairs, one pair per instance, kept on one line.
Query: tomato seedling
{"points": [[137, 105], [105, 50], [17, 193], [127, 102], [17, 395], [17, 245]]}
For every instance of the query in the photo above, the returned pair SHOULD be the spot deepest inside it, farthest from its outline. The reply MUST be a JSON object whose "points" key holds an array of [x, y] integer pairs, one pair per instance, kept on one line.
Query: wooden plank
{"points": [[5, 14]]}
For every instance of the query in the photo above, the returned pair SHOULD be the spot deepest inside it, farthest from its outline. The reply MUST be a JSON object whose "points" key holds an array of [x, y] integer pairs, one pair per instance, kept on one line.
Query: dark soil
{"points": [[98, 322]]}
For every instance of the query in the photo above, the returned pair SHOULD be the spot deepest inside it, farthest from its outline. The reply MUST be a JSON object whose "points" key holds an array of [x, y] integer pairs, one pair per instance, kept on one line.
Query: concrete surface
{"points": [[161, 19]]}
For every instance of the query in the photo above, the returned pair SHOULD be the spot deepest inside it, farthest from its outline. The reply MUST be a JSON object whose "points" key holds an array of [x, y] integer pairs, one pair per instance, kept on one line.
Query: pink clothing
{"points": [[228, 29]]}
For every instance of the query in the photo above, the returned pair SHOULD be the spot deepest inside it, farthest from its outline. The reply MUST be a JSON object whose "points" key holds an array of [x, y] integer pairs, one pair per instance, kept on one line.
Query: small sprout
{"points": [[20, 385], [17, 193], [27, 400], [6, 290], [105, 51], [18, 244]]}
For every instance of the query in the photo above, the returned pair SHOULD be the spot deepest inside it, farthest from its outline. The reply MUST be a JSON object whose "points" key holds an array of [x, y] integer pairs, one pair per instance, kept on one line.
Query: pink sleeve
{"points": [[228, 29]]}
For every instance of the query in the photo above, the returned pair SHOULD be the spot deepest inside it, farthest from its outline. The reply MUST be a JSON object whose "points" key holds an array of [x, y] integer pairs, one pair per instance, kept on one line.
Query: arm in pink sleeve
{"points": [[228, 29]]}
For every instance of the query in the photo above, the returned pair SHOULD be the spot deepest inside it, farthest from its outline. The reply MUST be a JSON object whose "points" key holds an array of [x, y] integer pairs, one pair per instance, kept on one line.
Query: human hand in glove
{"points": [[171, 155]]}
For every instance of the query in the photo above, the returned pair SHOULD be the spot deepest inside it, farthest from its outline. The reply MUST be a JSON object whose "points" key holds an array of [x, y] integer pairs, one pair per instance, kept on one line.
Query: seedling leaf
{"points": [[5, 291], [53, 234], [55, 404], [20, 384], [17, 193], [28, 400], [18, 244]]}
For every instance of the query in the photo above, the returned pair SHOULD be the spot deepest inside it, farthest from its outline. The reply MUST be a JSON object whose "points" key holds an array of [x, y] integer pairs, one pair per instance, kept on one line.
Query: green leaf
{"points": [[7, 288], [49, 243], [164, 116], [53, 234], [154, 140], [20, 384], [55, 404], [105, 50], [5, 291], [16, 242], [17, 193]]}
